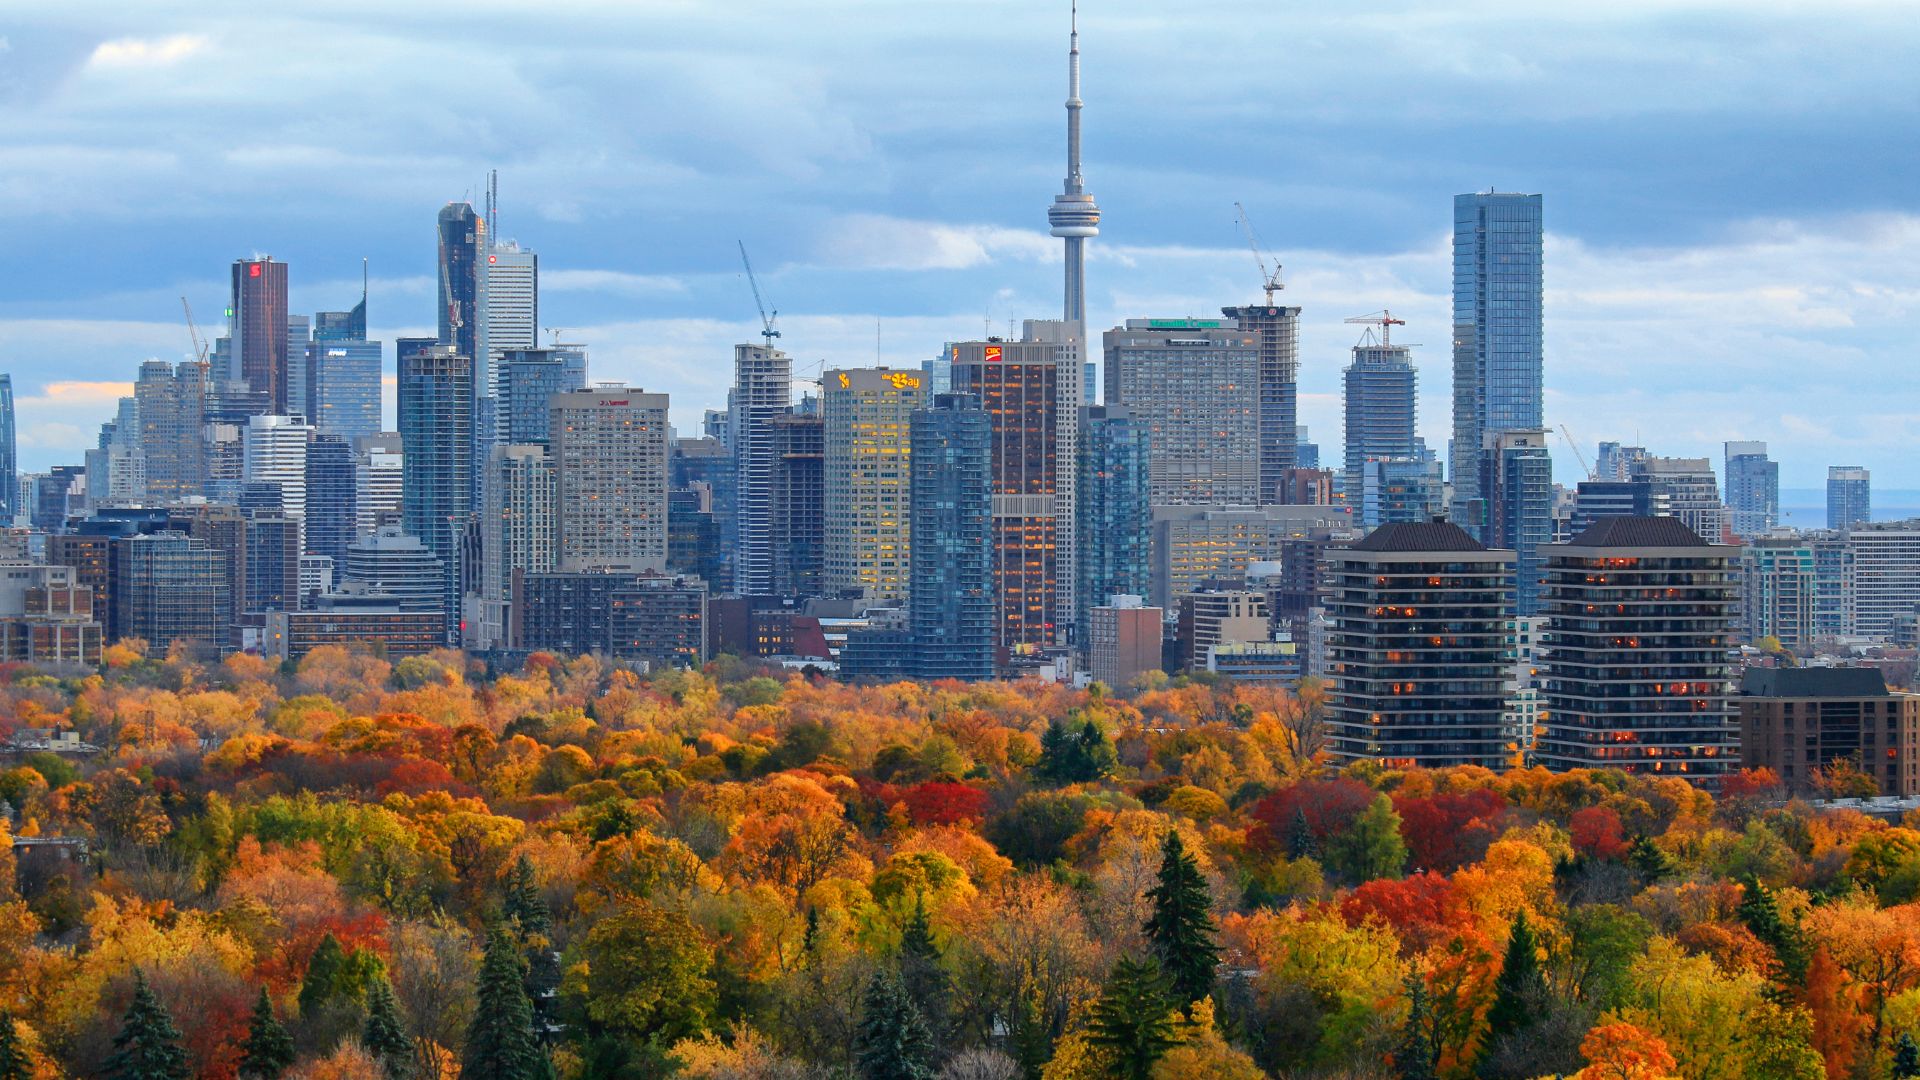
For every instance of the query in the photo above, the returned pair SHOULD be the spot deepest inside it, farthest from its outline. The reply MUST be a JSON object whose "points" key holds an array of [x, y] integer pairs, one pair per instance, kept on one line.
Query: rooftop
{"points": [[1818, 682], [1638, 532], [1419, 536]]}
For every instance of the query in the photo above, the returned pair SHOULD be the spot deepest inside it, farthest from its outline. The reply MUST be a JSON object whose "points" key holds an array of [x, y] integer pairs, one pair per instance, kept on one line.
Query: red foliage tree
{"points": [[1328, 805], [1751, 784], [939, 802], [1449, 830], [1597, 833], [1423, 908]]}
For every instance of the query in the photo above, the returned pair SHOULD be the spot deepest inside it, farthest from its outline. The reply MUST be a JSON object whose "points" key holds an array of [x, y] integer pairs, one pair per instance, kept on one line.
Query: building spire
{"points": [[1074, 216]]}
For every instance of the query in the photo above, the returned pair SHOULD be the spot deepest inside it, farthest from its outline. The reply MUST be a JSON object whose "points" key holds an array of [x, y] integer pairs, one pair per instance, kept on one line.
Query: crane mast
{"points": [[1269, 278]]}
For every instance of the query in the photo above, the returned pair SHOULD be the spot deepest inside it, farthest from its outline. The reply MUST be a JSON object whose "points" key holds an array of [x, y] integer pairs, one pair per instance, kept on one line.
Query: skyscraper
{"points": [[1497, 329], [798, 507], [1073, 215], [377, 482], [1277, 329], [299, 376], [463, 243], [1113, 516], [276, 453], [1777, 591], [343, 373], [172, 410], [1516, 491], [762, 390], [528, 377], [331, 514], [1417, 645], [1849, 496], [1753, 489], [1639, 612], [510, 318], [10, 500], [436, 428], [1692, 491], [868, 449], [260, 323], [952, 609], [167, 589], [519, 520], [609, 452], [1020, 386], [1379, 393], [1194, 385]]}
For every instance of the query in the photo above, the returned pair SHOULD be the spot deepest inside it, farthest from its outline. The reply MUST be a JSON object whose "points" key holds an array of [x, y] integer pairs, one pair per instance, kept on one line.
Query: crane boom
{"points": [[1269, 278], [199, 344], [766, 321], [1382, 319], [1577, 455]]}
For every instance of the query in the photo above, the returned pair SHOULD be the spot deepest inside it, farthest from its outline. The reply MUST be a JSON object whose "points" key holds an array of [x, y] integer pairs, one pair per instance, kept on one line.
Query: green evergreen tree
{"points": [[1301, 843], [522, 903], [1371, 847], [326, 971], [1030, 1038], [268, 1049], [1517, 992], [892, 1042], [527, 913], [500, 1040], [1181, 927], [921, 972], [1647, 857], [14, 1064], [1415, 1056], [1760, 911], [385, 1035], [1906, 1057], [148, 1046], [1133, 1017], [1070, 755]]}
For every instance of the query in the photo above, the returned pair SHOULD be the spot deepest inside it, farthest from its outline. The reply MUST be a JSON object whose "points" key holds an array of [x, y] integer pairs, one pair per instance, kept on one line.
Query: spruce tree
{"points": [[385, 1035], [148, 1046], [500, 1041], [921, 972], [1648, 858], [14, 1064], [326, 970], [892, 1042], [1414, 1056], [1133, 1017], [1906, 1057], [1301, 843], [1181, 927], [268, 1049], [1760, 911], [527, 913], [1516, 993], [1029, 1038]]}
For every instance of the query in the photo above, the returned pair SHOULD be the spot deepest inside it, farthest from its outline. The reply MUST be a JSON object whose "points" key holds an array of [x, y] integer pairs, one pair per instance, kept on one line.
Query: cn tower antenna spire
{"points": [[1073, 215]]}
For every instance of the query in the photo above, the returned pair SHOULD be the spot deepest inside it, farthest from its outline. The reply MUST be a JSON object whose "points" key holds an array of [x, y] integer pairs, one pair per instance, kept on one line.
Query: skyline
{"points": [[1761, 297]]}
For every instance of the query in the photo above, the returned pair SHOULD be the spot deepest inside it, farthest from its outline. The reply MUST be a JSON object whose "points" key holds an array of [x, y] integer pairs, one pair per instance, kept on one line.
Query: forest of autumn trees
{"points": [[355, 870]]}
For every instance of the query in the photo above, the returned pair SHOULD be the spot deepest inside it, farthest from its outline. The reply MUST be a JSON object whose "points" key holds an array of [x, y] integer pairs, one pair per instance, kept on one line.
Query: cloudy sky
{"points": [[1732, 208]]}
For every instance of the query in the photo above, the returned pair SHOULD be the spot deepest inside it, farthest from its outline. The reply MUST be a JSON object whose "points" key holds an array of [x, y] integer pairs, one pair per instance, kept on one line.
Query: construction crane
{"points": [[1382, 319], [1577, 455], [766, 321], [1269, 279], [199, 343]]}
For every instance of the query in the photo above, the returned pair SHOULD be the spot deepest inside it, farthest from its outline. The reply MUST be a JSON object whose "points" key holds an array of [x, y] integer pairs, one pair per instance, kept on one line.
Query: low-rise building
{"points": [[1798, 721]]}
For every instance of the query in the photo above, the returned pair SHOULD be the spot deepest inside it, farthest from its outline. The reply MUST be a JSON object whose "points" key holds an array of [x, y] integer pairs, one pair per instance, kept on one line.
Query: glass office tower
{"points": [[1497, 358]]}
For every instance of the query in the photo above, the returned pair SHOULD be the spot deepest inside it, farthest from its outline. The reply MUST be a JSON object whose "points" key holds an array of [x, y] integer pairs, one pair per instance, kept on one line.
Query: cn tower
{"points": [[1073, 215]]}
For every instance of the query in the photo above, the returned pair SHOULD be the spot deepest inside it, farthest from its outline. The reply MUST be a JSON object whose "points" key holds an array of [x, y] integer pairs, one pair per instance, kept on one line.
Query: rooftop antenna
{"points": [[493, 205], [876, 343]]}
